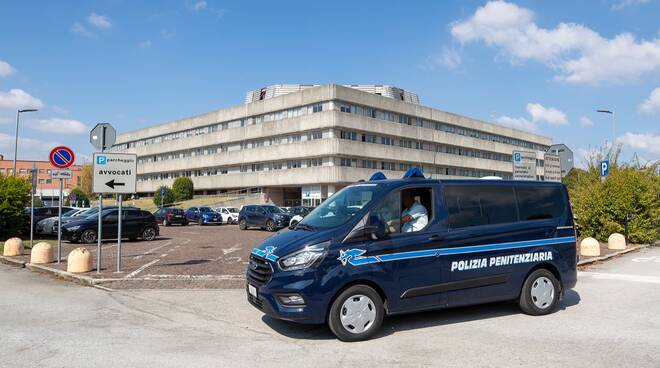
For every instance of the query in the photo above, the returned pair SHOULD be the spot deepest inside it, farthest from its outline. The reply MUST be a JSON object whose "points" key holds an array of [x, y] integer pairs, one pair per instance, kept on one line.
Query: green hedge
{"points": [[14, 197], [601, 206]]}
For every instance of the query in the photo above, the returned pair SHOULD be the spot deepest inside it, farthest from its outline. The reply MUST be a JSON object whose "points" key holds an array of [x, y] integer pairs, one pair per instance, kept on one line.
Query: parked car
{"points": [[298, 213], [40, 213], [229, 214], [263, 216], [203, 216], [168, 216], [286, 209], [136, 223], [48, 225]]}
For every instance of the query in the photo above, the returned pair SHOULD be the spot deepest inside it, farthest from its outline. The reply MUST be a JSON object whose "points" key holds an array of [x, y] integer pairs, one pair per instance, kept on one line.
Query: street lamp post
{"points": [[613, 129], [18, 116]]}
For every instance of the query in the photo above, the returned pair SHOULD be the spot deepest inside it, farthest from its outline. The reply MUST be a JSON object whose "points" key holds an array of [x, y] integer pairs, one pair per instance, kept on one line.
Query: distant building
{"points": [[299, 144], [565, 157], [48, 190]]}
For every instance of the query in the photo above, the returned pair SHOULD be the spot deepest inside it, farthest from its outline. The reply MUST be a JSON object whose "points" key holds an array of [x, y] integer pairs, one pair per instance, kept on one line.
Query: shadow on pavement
{"points": [[415, 321]]}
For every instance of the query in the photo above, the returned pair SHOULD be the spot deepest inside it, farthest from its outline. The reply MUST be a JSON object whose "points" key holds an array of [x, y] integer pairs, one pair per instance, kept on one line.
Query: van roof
{"points": [[405, 181]]}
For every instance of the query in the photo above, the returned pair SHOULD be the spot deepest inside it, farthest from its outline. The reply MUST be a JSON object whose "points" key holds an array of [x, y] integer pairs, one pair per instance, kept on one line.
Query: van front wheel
{"points": [[356, 314], [540, 293]]}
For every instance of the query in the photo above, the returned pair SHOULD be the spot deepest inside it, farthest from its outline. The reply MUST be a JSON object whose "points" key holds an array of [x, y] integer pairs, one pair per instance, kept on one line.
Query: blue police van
{"points": [[384, 247]]}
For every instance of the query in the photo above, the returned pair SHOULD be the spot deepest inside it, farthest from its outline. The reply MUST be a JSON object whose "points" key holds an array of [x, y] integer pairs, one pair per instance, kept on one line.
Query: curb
{"points": [[611, 255], [85, 280], [12, 262]]}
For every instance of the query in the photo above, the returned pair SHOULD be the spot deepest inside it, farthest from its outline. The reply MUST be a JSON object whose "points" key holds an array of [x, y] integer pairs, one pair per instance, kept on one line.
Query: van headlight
{"points": [[307, 257]]}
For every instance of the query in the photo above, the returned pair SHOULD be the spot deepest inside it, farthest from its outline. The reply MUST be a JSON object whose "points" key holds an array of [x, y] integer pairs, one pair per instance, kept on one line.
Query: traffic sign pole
{"points": [[119, 236], [34, 184], [59, 226], [99, 236]]}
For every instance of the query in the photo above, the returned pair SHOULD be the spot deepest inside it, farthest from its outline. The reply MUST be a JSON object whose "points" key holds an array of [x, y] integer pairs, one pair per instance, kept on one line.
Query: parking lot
{"points": [[609, 320], [182, 256]]}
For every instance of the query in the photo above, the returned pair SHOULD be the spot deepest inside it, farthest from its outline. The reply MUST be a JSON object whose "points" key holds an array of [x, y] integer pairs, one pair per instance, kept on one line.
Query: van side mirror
{"points": [[375, 228]]}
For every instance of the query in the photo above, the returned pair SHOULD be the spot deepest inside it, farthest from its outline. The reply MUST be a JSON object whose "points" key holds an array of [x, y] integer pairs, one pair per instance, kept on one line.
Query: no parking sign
{"points": [[61, 157]]}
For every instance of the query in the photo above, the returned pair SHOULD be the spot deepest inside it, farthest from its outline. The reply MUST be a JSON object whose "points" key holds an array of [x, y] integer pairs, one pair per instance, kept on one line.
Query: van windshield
{"points": [[342, 206]]}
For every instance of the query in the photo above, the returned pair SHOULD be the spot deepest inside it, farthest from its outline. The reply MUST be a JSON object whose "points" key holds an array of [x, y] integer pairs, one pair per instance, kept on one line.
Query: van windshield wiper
{"points": [[305, 227]]}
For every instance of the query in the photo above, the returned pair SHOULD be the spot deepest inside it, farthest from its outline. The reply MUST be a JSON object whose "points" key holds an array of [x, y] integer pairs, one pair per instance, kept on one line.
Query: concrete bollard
{"points": [[13, 247], [616, 241], [79, 260], [589, 247], [42, 253]]}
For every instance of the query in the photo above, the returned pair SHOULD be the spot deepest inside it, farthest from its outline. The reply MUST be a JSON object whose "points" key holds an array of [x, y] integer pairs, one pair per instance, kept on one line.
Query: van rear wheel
{"points": [[356, 314], [540, 293]]}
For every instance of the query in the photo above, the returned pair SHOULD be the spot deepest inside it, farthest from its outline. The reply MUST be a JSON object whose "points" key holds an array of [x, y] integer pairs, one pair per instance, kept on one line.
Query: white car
{"points": [[229, 214]]}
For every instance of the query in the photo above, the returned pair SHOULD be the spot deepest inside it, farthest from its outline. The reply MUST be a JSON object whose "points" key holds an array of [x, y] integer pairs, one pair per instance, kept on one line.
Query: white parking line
{"points": [[142, 268], [621, 277]]}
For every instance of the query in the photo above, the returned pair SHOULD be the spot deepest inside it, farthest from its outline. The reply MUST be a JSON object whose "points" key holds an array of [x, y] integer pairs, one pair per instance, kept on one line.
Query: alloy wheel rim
{"points": [[357, 314]]}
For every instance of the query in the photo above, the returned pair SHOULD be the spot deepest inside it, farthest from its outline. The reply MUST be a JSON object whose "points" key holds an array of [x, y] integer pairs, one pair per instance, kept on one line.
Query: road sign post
{"points": [[115, 173], [99, 235], [34, 185], [103, 136]]}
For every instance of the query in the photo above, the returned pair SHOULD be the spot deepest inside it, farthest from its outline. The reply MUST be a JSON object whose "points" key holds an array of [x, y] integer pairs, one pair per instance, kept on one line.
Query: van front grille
{"points": [[259, 271]]}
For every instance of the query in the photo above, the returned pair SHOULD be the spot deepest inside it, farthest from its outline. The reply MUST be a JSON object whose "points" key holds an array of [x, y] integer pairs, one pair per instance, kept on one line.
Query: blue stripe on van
{"points": [[350, 255]]}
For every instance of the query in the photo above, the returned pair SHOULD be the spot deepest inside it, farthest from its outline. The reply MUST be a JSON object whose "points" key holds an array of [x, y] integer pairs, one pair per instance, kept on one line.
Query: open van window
{"points": [[342, 206], [399, 216]]}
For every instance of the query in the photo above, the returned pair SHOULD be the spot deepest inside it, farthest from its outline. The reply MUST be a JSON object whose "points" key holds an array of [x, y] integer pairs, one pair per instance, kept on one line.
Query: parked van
{"points": [[386, 247]]}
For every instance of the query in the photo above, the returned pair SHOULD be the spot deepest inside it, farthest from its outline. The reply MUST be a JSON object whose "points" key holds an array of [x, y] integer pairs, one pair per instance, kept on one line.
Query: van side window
{"points": [[536, 203], [474, 205], [408, 210]]}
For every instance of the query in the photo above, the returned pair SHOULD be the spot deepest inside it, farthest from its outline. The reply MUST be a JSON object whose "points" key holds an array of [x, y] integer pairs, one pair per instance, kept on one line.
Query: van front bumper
{"points": [[268, 298]]}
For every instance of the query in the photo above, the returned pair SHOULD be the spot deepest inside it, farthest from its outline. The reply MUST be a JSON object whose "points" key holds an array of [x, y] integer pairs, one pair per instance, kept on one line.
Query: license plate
{"points": [[252, 290]]}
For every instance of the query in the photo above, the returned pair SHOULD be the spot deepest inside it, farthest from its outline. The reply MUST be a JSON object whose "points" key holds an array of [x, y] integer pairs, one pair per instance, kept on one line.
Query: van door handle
{"points": [[435, 237]]}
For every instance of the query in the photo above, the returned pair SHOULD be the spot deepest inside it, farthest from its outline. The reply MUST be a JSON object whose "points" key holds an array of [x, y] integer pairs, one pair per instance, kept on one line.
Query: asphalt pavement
{"points": [[611, 319]]}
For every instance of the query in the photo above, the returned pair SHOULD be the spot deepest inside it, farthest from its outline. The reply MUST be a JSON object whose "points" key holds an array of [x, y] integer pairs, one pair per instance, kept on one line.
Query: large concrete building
{"points": [[300, 144]]}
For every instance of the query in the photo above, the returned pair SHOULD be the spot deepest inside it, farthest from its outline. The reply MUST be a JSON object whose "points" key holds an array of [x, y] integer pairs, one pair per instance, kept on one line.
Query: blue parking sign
{"points": [[604, 168]]}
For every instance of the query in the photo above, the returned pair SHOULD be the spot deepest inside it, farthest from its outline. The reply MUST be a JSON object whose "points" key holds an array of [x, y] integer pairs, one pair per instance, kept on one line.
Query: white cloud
{"points": [[537, 114], [517, 123], [58, 126], [28, 148], [59, 110], [99, 21], [200, 5], [648, 142], [18, 99], [6, 69], [549, 115], [628, 3], [449, 58], [579, 54], [79, 29], [652, 104], [585, 121]]}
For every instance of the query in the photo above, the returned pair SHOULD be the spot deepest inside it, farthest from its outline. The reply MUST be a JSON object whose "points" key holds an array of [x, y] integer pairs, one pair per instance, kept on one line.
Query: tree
{"points": [[14, 197], [168, 198], [80, 197], [183, 189], [86, 178]]}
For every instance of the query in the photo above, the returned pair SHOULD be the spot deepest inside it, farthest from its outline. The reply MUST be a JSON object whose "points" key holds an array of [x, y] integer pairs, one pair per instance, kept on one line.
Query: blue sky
{"points": [[539, 66]]}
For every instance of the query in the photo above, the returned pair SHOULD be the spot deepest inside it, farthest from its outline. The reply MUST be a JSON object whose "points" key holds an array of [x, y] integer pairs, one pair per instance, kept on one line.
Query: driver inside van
{"points": [[414, 217]]}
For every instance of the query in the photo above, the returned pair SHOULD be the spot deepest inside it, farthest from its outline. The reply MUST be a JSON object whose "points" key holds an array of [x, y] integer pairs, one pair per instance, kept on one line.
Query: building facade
{"points": [[47, 189], [302, 146], [565, 157]]}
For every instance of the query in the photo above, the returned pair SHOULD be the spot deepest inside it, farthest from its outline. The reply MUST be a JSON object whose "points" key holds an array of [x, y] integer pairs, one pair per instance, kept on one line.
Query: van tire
{"points": [[242, 224], [533, 300], [374, 303]]}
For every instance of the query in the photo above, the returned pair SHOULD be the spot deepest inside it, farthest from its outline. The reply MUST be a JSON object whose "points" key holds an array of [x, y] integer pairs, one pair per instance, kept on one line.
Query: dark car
{"points": [[169, 216], [40, 213], [263, 216], [203, 216], [135, 224]]}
